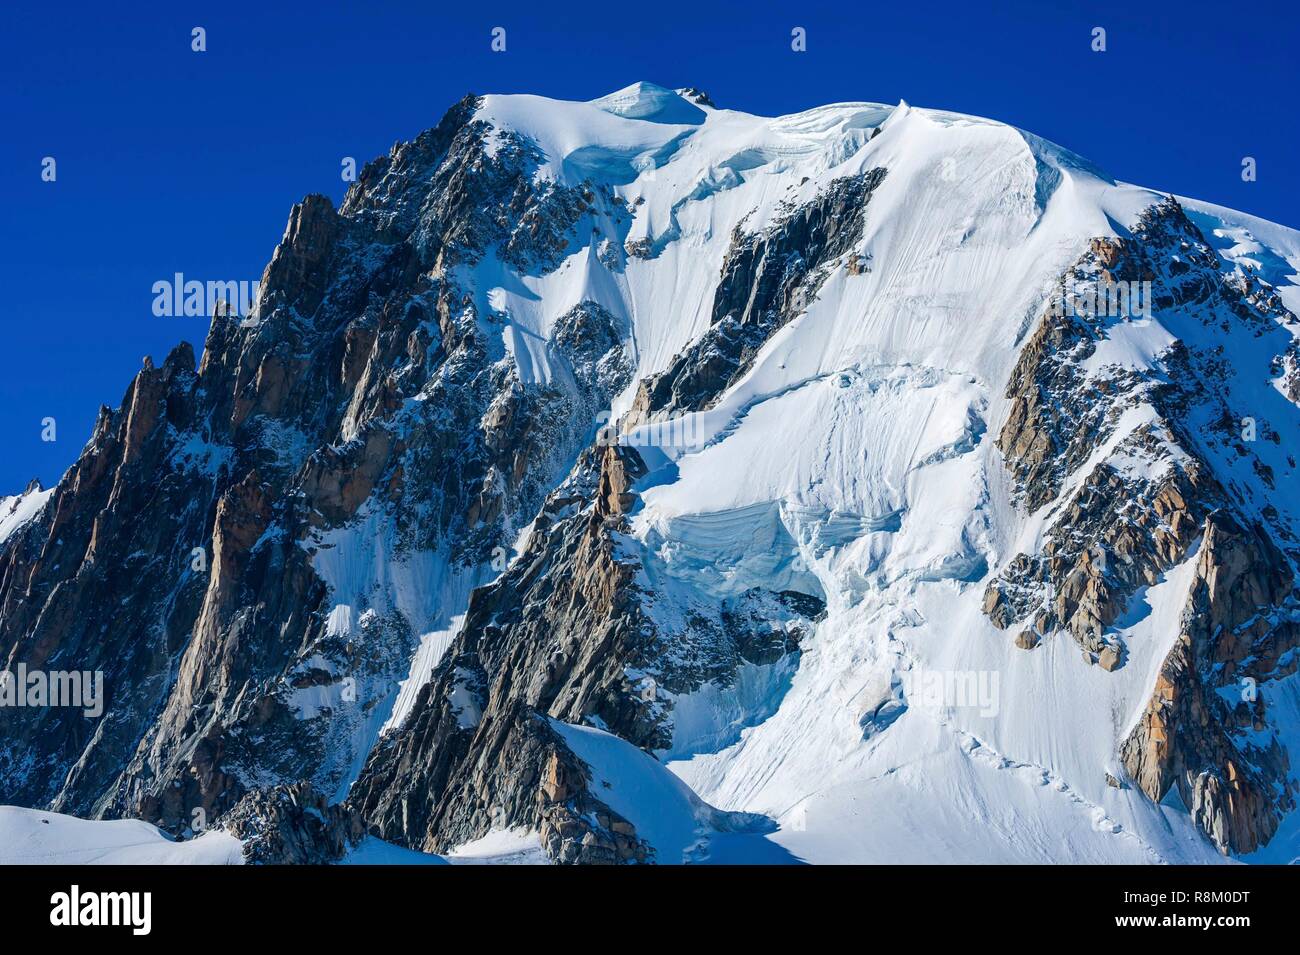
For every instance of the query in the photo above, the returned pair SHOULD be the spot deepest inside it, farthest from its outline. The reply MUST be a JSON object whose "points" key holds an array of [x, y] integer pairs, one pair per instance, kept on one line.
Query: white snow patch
{"points": [[501, 847], [35, 837], [17, 509]]}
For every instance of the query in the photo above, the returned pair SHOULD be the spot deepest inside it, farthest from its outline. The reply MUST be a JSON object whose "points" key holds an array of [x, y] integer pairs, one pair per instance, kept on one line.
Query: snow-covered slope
{"points": [[859, 451], [31, 837], [864, 428], [16, 510]]}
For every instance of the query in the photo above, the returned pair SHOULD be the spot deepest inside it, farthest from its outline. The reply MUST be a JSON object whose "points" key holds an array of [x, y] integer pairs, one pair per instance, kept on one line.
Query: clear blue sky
{"points": [[175, 161]]}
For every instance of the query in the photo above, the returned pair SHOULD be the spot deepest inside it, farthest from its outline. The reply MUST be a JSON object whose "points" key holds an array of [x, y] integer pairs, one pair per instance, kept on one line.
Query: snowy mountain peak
{"points": [[647, 101], [836, 475]]}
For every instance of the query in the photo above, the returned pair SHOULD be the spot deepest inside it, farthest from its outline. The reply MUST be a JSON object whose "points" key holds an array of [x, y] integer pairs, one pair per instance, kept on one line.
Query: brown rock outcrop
{"points": [[1231, 642]]}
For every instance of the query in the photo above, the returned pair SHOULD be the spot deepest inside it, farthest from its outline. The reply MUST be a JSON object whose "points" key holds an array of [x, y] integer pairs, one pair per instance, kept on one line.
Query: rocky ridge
{"points": [[1123, 460]]}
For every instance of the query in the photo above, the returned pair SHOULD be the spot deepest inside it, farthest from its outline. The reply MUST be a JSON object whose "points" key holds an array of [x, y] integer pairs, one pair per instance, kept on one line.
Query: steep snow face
{"points": [[974, 221], [18, 509], [1271, 250], [372, 581], [664, 810], [864, 429]]}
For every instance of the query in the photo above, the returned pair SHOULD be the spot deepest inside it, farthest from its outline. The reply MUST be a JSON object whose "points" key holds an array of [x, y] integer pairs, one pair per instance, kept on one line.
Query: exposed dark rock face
{"points": [[363, 387], [292, 825], [1201, 729], [1149, 497], [699, 96], [1117, 534], [576, 827], [1287, 366], [567, 633], [768, 278], [128, 511]]}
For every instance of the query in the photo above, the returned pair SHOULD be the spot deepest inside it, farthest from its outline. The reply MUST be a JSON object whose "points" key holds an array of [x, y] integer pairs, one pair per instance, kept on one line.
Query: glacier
{"points": [[852, 456]]}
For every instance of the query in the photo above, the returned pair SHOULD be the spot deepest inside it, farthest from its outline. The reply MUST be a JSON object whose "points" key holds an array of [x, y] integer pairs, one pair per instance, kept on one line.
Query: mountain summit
{"points": [[642, 481]]}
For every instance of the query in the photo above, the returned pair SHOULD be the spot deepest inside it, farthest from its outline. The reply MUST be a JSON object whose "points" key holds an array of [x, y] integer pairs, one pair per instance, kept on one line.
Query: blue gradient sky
{"points": [[172, 161]]}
